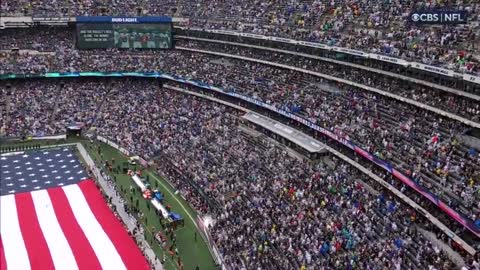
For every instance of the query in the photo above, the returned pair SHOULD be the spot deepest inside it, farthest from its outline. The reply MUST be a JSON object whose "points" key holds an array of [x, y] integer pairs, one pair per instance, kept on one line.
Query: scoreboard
{"points": [[126, 33]]}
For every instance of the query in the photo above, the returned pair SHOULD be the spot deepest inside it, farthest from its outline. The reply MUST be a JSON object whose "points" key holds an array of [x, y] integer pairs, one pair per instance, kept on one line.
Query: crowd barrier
{"points": [[114, 145]]}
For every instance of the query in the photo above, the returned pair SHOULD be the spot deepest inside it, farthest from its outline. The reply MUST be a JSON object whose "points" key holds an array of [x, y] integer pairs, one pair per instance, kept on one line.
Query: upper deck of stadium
{"points": [[374, 26]]}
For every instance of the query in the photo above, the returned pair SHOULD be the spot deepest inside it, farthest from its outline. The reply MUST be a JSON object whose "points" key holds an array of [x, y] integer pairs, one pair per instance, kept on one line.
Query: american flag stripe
{"points": [[103, 247], [68, 228], [15, 251], [37, 248], [60, 251], [104, 215], [3, 261], [81, 248]]}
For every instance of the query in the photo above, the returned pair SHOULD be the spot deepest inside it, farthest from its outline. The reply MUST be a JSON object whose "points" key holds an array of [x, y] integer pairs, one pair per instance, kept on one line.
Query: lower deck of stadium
{"points": [[264, 194]]}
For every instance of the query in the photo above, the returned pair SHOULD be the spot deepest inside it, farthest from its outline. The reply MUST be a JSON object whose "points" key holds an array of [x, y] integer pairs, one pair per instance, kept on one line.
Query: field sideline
{"points": [[192, 253]]}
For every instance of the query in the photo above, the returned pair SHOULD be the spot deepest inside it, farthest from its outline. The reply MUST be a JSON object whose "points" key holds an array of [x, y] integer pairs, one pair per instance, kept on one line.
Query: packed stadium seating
{"points": [[421, 143], [54, 58], [450, 102], [373, 26], [203, 143], [40, 108], [265, 200]]}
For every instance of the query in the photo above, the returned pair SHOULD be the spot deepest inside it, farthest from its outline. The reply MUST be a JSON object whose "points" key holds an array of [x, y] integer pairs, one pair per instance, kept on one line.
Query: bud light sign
{"points": [[439, 17]]}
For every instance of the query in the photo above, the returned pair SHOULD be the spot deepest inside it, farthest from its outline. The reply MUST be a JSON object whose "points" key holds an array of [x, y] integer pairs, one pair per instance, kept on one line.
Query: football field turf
{"points": [[192, 253]]}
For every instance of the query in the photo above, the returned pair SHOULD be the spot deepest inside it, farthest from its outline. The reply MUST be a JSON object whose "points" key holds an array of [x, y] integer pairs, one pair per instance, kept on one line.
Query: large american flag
{"points": [[52, 216]]}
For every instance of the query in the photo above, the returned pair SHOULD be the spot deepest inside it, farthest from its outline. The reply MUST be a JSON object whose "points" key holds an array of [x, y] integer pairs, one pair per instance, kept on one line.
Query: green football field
{"points": [[192, 253]]}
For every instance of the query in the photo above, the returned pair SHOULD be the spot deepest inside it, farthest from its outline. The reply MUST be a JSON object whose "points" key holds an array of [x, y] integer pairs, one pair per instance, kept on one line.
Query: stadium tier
{"points": [[303, 134], [191, 135], [388, 28]]}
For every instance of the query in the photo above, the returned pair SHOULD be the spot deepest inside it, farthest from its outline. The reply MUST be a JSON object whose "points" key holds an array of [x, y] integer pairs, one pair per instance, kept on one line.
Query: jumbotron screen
{"points": [[124, 35]]}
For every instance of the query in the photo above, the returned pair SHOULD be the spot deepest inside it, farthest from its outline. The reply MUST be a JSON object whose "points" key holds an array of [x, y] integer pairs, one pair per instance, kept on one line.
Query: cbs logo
{"points": [[416, 17], [426, 17]]}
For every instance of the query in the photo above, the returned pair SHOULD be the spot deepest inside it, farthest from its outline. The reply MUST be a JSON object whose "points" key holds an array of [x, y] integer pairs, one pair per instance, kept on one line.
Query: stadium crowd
{"points": [[450, 102], [373, 26], [62, 56], [41, 108], [270, 199], [421, 143], [69, 59]]}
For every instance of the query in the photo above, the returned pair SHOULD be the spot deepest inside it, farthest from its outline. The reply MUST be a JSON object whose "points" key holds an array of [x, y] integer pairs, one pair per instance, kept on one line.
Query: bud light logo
{"points": [[439, 17]]}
